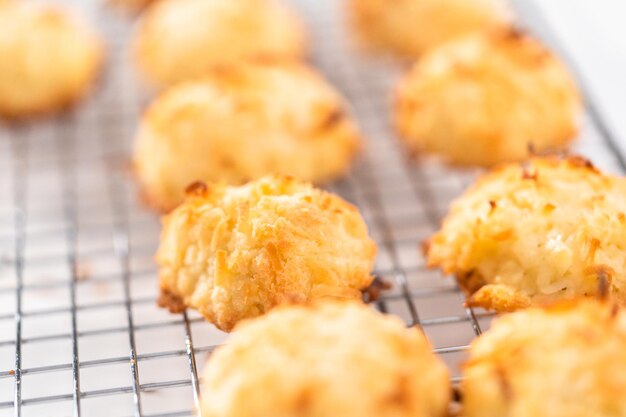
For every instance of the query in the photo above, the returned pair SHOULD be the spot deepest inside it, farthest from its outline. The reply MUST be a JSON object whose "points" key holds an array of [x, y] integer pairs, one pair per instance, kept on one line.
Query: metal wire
{"points": [[20, 242], [89, 217], [65, 142]]}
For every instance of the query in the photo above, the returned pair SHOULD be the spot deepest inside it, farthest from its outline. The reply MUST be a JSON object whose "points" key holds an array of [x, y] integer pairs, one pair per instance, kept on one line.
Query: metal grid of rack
{"points": [[79, 330]]}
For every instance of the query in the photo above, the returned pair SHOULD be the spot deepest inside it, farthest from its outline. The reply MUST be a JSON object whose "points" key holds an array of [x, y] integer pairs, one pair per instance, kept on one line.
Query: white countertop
{"points": [[594, 35]]}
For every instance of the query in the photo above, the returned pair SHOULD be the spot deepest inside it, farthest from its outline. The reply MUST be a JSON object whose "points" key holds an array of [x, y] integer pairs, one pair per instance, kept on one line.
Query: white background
{"points": [[594, 34]]}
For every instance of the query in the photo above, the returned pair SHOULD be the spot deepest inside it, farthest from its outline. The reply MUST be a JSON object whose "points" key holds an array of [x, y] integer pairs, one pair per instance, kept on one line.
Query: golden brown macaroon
{"points": [[236, 252], [239, 123], [546, 230], [181, 39], [568, 360], [327, 360], [48, 59], [411, 27], [487, 99]]}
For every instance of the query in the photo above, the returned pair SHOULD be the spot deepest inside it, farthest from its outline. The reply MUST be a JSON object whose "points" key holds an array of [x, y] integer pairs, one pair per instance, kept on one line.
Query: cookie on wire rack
{"points": [[330, 359], [487, 99], [566, 360], [48, 59], [237, 252], [545, 230], [177, 40], [409, 28], [242, 122]]}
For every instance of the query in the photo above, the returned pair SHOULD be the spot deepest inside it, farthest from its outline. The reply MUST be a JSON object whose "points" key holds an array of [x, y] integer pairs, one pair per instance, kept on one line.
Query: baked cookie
{"points": [[181, 39], [487, 99], [239, 123], [411, 27], [568, 360], [327, 360], [236, 252], [545, 230], [48, 59]]}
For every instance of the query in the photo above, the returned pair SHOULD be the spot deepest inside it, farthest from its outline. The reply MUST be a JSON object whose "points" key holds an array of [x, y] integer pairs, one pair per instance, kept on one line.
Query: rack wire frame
{"points": [[76, 246]]}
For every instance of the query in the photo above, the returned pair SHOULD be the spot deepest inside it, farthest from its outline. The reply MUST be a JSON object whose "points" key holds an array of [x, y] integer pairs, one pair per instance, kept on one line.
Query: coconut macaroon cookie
{"points": [[48, 59], [181, 39], [410, 27], [331, 359], [542, 231], [242, 122], [568, 360], [236, 252], [487, 99]]}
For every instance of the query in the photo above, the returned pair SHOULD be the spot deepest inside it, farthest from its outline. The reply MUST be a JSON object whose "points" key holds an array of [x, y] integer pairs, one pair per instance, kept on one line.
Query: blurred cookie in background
{"points": [[48, 58], [241, 122], [487, 99], [181, 39], [411, 27]]}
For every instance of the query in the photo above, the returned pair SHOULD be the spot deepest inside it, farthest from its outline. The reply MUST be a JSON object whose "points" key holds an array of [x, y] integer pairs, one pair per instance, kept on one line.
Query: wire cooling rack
{"points": [[79, 330]]}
